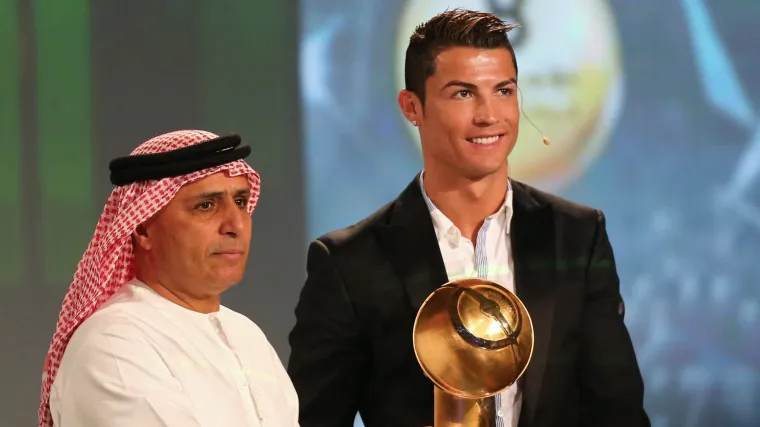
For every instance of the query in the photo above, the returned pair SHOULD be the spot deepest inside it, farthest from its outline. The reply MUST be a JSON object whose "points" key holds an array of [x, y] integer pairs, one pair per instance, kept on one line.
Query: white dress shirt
{"points": [[142, 360], [490, 258]]}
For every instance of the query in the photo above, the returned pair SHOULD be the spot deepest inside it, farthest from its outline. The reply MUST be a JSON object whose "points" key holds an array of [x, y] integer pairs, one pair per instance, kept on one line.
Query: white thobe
{"points": [[144, 361]]}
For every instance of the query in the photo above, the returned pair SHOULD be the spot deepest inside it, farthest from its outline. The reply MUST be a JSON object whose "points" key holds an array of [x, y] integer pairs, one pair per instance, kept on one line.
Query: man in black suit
{"points": [[351, 347]]}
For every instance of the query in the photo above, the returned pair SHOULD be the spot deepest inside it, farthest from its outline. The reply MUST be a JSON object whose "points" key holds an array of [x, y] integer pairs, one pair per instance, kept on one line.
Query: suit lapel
{"points": [[414, 246], [533, 241], [416, 256]]}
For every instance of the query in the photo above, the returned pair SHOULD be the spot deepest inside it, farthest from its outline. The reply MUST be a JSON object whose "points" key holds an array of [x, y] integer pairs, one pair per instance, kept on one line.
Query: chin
{"points": [[228, 278], [481, 171], [234, 279]]}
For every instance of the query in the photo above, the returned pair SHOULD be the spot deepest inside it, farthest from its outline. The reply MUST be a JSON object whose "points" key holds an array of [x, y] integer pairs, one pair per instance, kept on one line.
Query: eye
{"points": [[242, 202], [506, 91], [204, 206], [462, 94]]}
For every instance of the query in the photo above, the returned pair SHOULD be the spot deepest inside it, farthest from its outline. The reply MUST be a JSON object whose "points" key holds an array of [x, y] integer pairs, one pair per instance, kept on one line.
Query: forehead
{"points": [[473, 64], [219, 181]]}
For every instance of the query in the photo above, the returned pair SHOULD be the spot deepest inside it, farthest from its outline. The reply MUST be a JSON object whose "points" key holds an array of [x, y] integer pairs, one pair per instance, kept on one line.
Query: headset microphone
{"points": [[544, 138]]}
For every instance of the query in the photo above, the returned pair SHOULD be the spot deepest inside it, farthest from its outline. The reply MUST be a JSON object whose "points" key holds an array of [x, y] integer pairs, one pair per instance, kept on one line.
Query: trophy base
{"points": [[452, 411]]}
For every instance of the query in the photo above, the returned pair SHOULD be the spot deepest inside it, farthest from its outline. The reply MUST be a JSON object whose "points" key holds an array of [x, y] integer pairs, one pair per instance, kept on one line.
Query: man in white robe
{"points": [[142, 339]]}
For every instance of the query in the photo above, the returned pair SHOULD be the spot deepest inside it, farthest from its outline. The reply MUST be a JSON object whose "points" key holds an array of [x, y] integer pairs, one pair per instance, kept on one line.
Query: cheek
{"points": [[247, 232], [455, 119], [510, 110], [184, 245], [245, 237]]}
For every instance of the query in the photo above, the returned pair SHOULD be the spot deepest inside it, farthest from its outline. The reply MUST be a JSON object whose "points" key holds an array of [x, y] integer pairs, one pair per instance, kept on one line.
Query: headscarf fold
{"points": [[108, 261]]}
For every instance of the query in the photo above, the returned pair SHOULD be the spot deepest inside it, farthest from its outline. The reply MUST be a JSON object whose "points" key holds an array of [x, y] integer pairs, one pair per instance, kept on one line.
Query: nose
{"points": [[233, 220], [485, 114]]}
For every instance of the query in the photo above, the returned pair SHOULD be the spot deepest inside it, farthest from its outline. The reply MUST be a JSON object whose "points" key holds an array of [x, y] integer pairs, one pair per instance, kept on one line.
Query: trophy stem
{"points": [[452, 411]]}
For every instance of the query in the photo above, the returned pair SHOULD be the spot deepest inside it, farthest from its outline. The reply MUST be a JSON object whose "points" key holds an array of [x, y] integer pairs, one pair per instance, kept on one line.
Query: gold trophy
{"points": [[473, 339]]}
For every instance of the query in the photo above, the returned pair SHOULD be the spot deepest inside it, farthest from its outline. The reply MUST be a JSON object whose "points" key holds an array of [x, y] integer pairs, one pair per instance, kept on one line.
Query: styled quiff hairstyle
{"points": [[453, 28]]}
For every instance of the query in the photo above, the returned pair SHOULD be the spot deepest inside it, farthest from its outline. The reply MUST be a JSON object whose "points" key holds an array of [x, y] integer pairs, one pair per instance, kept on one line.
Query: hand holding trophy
{"points": [[473, 339]]}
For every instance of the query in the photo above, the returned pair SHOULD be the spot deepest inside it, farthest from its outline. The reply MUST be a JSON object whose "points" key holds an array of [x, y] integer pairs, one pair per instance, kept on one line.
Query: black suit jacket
{"points": [[351, 347]]}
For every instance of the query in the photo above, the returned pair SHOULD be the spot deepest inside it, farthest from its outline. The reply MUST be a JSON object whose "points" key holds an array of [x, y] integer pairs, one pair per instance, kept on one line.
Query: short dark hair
{"points": [[453, 28]]}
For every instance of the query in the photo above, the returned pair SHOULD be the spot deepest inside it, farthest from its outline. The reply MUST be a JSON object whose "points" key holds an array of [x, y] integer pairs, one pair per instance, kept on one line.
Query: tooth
{"points": [[487, 140]]}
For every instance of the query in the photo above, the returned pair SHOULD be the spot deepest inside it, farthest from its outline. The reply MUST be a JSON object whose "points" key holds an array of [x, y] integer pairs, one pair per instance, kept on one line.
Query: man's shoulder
{"points": [[94, 340], [561, 206], [120, 316], [358, 234], [128, 314]]}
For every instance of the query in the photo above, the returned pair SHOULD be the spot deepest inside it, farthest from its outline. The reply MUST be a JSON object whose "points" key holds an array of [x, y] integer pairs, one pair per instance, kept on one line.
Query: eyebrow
{"points": [[473, 87], [217, 194]]}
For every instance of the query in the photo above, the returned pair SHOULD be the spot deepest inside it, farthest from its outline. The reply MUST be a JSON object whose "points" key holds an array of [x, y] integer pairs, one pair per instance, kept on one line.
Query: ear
{"points": [[411, 107], [140, 237]]}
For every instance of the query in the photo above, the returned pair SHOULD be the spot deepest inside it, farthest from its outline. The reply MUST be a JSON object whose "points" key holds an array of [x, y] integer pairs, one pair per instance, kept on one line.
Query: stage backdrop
{"points": [[651, 107]]}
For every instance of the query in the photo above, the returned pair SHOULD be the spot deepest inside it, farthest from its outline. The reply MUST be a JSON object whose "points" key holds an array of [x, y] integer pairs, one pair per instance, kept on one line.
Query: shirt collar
{"points": [[443, 225]]}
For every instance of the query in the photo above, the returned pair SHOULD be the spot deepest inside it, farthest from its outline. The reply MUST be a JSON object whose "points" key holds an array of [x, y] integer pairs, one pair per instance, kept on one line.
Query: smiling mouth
{"points": [[485, 140]]}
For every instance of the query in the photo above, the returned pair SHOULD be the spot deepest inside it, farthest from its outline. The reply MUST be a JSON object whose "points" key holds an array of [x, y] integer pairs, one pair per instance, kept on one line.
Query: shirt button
{"points": [[500, 413]]}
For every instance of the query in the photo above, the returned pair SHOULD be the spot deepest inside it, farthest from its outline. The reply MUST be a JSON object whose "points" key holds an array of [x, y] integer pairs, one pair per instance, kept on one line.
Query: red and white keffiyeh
{"points": [[108, 262]]}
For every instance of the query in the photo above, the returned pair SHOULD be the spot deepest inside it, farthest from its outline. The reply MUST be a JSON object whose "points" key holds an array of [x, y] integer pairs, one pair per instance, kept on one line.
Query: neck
{"points": [[466, 202], [204, 305]]}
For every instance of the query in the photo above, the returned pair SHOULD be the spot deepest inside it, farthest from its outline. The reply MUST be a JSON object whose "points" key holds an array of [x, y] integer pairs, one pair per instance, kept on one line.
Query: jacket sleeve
{"points": [[611, 386], [327, 359]]}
